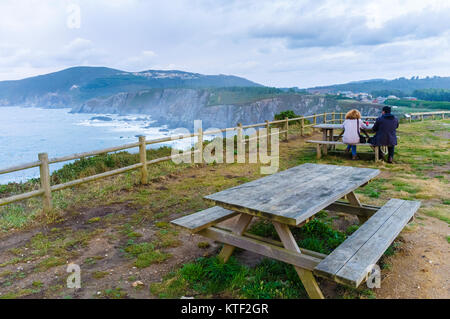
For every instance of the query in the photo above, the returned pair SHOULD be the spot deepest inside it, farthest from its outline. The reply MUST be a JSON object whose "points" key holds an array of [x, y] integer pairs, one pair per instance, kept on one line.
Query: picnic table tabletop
{"points": [[335, 126], [294, 195]]}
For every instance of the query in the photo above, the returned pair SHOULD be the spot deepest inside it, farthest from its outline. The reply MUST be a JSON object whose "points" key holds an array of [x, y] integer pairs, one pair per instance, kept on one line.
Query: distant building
{"points": [[393, 97], [410, 98], [379, 100]]}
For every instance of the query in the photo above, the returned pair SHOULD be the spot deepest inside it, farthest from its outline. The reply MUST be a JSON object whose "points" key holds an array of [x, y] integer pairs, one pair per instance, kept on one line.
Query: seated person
{"points": [[351, 134], [385, 132]]}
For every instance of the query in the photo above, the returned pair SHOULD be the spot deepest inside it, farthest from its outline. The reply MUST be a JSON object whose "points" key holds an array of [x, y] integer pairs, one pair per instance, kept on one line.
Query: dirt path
{"points": [[421, 267]]}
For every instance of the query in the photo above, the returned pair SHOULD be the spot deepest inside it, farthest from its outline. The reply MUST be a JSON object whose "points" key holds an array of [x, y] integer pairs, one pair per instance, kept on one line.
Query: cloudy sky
{"points": [[278, 43]]}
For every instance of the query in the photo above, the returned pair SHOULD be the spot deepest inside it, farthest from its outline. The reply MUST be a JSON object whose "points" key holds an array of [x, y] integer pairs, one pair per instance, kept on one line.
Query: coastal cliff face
{"points": [[180, 107]]}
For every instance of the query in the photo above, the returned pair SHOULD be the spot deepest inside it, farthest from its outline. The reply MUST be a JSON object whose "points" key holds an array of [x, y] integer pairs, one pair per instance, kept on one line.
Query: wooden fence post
{"points": [[325, 118], [143, 159], [267, 133], [200, 145], [286, 128], [302, 125], [240, 145], [443, 116], [45, 183], [333, 117], [422, 117], [342, 118]]}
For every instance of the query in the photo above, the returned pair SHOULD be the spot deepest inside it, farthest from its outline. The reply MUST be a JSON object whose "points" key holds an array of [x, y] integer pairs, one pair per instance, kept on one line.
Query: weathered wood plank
{"points": [[306, 276], [273, 242], [342, 207], [293, 195], [265, 249], [335, 261], [359, 266], [334, 143], [368, 243], [203, 219], [335, 126], [238, 229]]}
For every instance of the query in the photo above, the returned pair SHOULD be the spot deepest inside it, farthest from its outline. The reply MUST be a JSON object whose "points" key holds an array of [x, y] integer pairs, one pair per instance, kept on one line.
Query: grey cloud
{"points": [[346, 31]]}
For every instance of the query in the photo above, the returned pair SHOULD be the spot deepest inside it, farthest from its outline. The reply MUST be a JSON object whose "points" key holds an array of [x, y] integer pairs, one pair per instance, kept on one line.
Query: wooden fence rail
{"points": [[44, 162], [422, 115]]}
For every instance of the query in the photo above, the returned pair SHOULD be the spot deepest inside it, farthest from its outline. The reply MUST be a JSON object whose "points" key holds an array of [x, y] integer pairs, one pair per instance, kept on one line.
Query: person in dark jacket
{"points": [[385, 128]]}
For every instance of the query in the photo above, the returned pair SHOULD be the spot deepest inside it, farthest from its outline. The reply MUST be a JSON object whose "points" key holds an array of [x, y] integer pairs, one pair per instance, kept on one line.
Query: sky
{"points": [[276, 43]]}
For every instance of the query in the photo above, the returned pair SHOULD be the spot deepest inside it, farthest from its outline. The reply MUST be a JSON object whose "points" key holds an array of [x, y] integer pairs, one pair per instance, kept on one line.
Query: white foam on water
{"points": [[25, 132]]}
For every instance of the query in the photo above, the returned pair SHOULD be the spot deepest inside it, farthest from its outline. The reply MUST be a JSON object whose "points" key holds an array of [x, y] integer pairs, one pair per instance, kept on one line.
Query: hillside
{"points": [[76, 85], [218, 107], [406, 86]]}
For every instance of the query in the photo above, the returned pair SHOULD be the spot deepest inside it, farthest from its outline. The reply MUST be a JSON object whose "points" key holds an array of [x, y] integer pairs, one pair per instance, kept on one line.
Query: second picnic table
{"points": [[328, 130]]}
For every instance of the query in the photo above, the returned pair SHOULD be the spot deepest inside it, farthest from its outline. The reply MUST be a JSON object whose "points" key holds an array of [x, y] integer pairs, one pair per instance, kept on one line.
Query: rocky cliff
{"points": [[180, 107]]}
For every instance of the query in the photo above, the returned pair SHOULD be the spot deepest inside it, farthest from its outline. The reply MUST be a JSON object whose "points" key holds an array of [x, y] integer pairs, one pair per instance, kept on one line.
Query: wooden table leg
{"points": [[319, 151], [324, 138], [306, 276], [354, 201], [239, 228], [377, 153], [332, 147]]}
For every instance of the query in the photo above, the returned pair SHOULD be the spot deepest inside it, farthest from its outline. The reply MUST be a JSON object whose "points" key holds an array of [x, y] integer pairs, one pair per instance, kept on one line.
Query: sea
{"points": [[26, 132]]}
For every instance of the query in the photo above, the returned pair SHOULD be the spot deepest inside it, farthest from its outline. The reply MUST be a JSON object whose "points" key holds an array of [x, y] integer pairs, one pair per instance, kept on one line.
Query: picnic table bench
{"points": [[330, 140], [291, 198]]}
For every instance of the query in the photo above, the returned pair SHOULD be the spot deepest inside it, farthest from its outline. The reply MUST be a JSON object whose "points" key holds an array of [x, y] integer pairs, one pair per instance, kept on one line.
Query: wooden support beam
{"points": [[302, 261], [354, 201], [377, 153], [342, 207], [305, 274], [238, 229], [319, 152]]}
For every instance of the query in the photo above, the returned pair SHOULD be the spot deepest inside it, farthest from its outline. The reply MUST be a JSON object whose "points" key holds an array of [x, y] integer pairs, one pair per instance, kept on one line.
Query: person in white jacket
{"points": [[352, 128]]}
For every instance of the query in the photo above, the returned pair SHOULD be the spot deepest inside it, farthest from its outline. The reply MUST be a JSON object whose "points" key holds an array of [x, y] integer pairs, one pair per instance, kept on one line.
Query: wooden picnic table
{"points": [[291, 198], [328, 130]]}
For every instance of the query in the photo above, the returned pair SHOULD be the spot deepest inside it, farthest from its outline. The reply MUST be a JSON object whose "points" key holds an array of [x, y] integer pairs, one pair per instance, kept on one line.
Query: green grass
{"points": [[442, 214], [145, 254], [316, 235], [114, 293], [211, 277], [240, 95]]}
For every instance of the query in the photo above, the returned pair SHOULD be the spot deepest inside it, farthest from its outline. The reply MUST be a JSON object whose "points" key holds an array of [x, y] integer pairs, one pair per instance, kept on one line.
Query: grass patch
{"points": [[209, 276], [316, 235], [438, 212], [114, 293], [145, 254], [100, 274]]}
